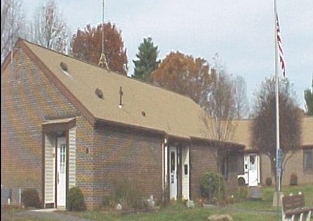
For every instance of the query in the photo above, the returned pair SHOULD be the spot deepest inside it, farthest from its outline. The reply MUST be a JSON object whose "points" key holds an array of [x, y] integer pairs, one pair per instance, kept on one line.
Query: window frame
{"points": [[308, 160]]}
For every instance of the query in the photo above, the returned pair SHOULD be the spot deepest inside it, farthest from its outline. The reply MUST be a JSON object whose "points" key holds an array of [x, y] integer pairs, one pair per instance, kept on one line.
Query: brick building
{"points": [[257, 166], [67, 123]]}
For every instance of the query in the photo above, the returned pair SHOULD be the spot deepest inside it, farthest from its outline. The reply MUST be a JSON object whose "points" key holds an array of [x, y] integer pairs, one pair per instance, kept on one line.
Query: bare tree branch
{"points": [[220, 112], [49, 29], [264, 124], [12, 25], [240, 96]]}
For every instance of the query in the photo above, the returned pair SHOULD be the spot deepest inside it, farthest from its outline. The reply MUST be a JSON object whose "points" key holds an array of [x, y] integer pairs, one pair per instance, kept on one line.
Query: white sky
{"points": [[241, 32]]}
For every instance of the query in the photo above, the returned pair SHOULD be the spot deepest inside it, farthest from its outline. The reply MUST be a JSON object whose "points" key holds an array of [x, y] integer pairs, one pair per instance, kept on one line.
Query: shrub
{"points": [[212, 187], [30, 198], [108, 201], [129, 195], [268, 181], [75, 199], [241, 181], [293, 179]]}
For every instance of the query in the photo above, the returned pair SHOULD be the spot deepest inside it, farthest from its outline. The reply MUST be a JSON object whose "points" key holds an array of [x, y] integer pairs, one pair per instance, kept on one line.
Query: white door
{"points": [[185, 173], [61, 172], [253, 170], [173, 173], [246, 168]]}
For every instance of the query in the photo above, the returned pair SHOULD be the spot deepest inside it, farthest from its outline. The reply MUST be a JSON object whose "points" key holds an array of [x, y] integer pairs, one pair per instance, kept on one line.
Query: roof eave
{"points": [[129, 126]]}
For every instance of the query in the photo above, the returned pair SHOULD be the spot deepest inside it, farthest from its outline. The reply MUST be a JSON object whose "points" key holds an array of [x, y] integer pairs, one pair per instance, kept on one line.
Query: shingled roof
{"points": [[243, 132], [143, 105]]}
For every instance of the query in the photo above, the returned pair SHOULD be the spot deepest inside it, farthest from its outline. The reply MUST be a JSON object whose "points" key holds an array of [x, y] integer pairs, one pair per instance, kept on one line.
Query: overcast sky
{"points": [[241, 32]]}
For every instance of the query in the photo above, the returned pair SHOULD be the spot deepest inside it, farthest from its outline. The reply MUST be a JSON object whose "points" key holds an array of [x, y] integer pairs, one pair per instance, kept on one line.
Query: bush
{"points": [[212, 187], [30, 198], [241, 181], [108, 201], [75, 199], [293, 179], [268, 181], [129, 195]]}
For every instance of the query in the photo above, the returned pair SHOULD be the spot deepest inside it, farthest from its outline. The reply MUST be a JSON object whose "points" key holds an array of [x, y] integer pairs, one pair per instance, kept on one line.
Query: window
{"points": [[252, 159], [173, 163], [186, 169], [62, 158], [224, 169], [308, 160], [240, 164]]}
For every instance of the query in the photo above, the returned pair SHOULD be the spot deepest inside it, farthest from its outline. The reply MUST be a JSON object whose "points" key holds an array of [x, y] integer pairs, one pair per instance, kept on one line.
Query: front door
{"points": [[173, 173], [253, 170], [61, 172]]}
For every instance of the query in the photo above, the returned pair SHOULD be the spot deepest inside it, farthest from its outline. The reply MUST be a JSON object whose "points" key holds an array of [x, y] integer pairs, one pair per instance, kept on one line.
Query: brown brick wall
{"points": [[125, 155], [201, 160], [235, 160], [84, 159], [294, 165], [265, 169], [27, 98]]}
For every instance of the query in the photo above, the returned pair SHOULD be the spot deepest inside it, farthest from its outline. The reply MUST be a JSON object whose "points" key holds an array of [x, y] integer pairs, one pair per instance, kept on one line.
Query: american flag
{"points": [[279, 46]]}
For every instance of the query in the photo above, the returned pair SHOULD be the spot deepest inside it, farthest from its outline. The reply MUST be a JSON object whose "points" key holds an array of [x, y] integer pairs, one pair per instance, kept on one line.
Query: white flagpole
{"points": [[278, 167]]}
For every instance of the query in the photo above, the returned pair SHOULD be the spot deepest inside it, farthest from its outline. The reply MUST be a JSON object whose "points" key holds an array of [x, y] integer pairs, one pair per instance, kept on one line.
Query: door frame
{"points": [[54, 129], [253, 181], [62, 140], [173, 181]]}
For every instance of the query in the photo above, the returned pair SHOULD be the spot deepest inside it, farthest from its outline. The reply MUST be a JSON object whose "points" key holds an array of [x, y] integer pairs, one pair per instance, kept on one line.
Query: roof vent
{"points": [[99, 93], [63, 66]]}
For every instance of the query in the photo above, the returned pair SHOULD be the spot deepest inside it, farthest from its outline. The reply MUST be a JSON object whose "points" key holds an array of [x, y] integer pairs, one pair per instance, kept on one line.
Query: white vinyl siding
{"points": [[185, 173], [166, 167], [49, 168], [72, 157]]}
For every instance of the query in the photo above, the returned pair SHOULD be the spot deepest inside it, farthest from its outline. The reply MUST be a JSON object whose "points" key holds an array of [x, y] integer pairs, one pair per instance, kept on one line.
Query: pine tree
{"points": [[147, 60]]}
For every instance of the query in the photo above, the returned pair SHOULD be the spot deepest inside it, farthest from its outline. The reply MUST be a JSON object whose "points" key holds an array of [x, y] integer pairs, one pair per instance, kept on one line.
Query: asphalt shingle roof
{"points": [[144, 105]]}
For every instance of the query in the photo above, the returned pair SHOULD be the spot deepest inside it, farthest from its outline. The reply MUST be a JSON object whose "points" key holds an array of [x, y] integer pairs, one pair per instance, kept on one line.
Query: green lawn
{"points": [[306, 190], [179, 212], [256, 210]]}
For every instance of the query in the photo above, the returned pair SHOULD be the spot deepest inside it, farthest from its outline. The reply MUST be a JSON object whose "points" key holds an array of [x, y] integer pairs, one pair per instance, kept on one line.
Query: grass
{"points": [[16, 214], [256, 210], [179, 212]]}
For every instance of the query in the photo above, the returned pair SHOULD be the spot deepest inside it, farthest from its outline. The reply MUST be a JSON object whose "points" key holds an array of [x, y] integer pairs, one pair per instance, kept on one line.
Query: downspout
{"points": [[164, 168], [43, 169], [162, 152]]}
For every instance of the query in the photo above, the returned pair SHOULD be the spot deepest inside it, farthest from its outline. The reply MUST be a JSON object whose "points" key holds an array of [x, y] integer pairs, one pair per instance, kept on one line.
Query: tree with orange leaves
{"points": [[87, 46], [185, 75]]}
